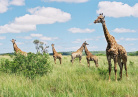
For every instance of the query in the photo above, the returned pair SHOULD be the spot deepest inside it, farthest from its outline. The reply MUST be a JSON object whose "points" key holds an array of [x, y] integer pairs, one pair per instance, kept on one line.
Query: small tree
{"points": [[40, 45], [36, 42]]}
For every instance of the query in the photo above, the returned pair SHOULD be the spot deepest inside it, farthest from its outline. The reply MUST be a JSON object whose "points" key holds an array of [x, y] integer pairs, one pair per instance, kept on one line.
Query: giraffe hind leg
{"points": [[121, 67], [125, 65], [115, 68], [60, 61]]}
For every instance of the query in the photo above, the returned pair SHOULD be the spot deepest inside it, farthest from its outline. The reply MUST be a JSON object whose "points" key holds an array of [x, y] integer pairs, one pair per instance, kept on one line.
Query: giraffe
{"points": [[78, 53], [114, 50], [89, 56], [56, 55], [16, 49]]}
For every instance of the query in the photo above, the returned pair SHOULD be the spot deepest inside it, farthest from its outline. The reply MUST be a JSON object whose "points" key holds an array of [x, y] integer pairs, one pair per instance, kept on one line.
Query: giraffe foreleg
{"points": [[88, 62], [80, 59], [109, 64], [60, 60], [124, 62], [55, 60], [121, 67], [96, 62], [115, 67]]}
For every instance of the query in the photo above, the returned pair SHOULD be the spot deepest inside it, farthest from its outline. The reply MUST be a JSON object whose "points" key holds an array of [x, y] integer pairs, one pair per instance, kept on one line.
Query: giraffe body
{"points": [[16, 49], [90, 57], [78, 53], [56, 55], [113, 51]]}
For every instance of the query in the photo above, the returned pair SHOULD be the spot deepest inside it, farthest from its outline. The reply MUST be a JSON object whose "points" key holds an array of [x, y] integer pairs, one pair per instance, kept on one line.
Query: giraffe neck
{"points": [[16, 49], [81, 48], [86, 50], [54, 51], [106, 33]]}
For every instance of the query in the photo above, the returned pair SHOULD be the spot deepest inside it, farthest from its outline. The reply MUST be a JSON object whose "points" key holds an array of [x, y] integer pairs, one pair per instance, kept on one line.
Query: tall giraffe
{"points": [[56, 55], [16, 49], [113, 51], [90, 56], [78, 53]]}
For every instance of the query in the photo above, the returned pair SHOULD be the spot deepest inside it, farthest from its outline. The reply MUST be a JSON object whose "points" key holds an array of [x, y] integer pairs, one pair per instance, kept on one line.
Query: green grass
{"points": [[75, 80]]}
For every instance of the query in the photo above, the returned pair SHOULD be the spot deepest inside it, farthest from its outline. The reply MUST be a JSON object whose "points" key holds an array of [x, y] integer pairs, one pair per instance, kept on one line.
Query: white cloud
{"points": [[81, 40], [131, 39], [69, 1], [17, 2], [2, 37], [73, 48], [78, 30], [92, 47], [38, 15], [4, 4], [36, 35], [126, 39], [117, 9], [48, 38], [25, 37], [1, 44], [19, 43], [123, 30]]}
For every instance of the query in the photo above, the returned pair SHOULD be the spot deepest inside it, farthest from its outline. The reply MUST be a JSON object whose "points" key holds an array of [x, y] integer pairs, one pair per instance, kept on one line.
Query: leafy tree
{"points": [[36, 42], [30, 66], [40, 45]]}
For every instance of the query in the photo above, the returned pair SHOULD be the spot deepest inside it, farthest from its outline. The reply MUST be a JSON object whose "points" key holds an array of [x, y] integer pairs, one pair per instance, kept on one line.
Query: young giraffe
{"points": [[78, 54], [16, 49], [113, 51], [56, 55], [89, 56]]}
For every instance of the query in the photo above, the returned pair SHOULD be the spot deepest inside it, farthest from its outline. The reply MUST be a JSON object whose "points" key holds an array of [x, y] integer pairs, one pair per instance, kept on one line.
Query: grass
{"points": [[75, 80]]}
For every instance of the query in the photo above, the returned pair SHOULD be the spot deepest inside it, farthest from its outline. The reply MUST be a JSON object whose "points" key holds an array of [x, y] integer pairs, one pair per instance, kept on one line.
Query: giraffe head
{"points": [[13, 41], [100, 19], [52, 45], [85, 43]]}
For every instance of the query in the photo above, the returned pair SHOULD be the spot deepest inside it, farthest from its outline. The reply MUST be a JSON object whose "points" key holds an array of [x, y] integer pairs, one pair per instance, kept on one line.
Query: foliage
{"points": [[100, 54], [75, 80], [36, 42], [131, 63], [30, 66], [133, 53], [40, 45]]}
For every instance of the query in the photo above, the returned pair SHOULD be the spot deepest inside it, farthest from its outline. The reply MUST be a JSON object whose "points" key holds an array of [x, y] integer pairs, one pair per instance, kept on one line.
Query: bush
{"points": [[131, 63], [30, 66]]}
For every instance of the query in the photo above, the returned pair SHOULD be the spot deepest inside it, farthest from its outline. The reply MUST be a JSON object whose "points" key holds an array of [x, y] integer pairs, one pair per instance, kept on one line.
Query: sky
{"points": [[67, 24]]}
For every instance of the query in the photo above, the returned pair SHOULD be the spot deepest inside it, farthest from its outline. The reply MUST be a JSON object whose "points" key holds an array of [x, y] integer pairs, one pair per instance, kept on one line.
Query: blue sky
{"points": [[67, 24]]}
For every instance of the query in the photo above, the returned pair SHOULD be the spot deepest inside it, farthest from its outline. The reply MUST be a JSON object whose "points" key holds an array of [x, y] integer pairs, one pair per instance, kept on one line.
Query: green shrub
{"points": [[131, 63], [30, 66]]}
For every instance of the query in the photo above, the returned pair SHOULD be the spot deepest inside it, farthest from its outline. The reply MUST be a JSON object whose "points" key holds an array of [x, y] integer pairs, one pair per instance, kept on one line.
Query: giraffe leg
{"points": [[115, 68], [88, 63], [80, 59], [121, 68], [109, 64], [60, 61], [72, 60], [124, 62], [55, 60], [96, 62]]}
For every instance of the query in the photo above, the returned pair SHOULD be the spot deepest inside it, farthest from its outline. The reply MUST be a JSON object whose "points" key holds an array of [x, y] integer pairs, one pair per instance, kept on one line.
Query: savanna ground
{"points": [[75, 80]]}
